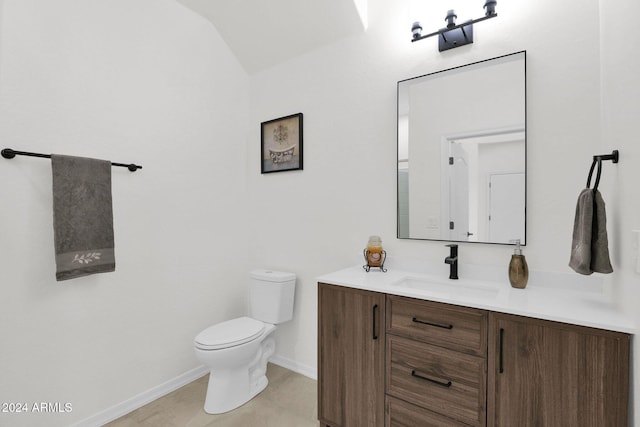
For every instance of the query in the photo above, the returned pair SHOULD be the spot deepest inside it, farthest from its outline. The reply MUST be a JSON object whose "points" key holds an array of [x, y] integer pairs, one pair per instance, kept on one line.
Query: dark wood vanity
{"points": [[388, 360]]}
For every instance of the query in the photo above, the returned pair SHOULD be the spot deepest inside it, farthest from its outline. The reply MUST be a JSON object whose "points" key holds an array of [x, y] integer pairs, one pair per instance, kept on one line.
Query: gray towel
{"points": [[82, 216], [600, 262], [590, 245]]}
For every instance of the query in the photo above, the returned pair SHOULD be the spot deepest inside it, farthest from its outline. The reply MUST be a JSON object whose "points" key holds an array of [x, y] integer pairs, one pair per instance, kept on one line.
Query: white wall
{"points": [[143, 81], [318, 220], [148, 81]]}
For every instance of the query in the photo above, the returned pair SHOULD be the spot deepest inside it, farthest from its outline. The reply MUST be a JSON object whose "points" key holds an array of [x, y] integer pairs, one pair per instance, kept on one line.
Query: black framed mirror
{"points": [[462, 142]]}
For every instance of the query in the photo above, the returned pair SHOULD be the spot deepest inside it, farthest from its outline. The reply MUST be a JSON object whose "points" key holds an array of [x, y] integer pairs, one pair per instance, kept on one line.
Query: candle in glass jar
{"points": [[374, 251]]}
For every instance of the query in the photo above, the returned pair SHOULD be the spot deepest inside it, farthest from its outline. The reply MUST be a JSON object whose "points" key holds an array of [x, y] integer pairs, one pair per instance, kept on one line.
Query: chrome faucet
{"points": [[452, 260]]}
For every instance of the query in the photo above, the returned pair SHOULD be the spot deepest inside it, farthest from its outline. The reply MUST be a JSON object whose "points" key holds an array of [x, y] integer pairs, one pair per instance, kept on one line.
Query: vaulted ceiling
{"points": [[262, 33]]}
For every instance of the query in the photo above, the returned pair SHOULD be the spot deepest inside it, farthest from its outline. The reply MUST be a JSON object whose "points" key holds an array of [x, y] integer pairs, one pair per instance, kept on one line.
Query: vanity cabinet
{"points": [[351, 339], [544, 373], [388, 360]]}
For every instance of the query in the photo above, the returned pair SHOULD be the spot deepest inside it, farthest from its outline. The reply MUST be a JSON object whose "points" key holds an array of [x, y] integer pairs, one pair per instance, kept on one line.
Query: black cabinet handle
{"points": [[501, 356], [437, 325], [440, 383], [375, 322]]}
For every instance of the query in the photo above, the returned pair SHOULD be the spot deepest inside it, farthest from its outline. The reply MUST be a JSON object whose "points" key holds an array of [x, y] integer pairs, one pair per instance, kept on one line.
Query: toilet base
{"points": [[229, 389]]}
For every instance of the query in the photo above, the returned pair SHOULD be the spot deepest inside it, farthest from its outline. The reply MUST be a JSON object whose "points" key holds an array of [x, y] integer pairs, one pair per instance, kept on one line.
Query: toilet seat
{"points": [[230, 333]]}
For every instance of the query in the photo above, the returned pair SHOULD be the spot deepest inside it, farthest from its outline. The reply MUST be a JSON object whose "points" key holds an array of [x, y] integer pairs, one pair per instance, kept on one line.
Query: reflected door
{"points": [[458, 193], [506, 207]]}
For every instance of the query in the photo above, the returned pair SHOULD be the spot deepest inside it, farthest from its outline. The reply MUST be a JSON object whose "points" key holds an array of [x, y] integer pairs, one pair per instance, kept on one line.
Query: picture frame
{"points": [[281, 144]]}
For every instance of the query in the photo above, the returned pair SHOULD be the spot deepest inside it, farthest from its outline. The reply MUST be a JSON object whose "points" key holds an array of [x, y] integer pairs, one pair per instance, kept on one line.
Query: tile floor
{"points": [[290, 400]]}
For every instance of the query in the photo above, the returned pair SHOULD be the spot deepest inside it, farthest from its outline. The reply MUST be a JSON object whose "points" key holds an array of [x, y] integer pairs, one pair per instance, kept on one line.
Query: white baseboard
{"points": [[294, 366], [121, 409], [136, 402]]}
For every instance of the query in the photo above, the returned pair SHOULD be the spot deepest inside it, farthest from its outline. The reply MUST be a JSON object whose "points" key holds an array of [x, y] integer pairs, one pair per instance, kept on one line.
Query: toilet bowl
{"points": [[238, 367], [237, 351]]}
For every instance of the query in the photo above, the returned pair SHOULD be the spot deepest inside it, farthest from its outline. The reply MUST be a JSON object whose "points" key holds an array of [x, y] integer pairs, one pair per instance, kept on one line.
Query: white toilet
{"points": [[237, 350]]}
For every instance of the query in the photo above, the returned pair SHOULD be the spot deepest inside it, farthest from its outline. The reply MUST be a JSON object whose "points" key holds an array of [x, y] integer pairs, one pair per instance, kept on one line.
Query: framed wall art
{"points": [[281, 144]]}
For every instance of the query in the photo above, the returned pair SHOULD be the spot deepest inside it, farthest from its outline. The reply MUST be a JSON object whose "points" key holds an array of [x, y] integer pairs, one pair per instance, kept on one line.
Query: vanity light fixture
{"points": [[453, 35]]}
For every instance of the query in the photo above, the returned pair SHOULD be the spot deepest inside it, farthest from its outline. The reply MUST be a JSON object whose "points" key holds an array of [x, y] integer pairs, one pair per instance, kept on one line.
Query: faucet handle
{"points": [[453, 249]]}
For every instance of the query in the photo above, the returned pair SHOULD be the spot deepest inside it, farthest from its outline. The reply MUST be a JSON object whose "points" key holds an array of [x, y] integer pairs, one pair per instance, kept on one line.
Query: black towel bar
{"points": [[8, 153]]}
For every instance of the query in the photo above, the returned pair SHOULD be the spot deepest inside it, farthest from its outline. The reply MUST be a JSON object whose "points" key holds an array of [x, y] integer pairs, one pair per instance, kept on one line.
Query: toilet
{"points": [[236, 351]]}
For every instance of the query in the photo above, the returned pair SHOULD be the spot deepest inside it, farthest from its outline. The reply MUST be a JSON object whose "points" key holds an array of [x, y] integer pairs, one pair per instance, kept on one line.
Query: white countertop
{"points": [[570, 304]]}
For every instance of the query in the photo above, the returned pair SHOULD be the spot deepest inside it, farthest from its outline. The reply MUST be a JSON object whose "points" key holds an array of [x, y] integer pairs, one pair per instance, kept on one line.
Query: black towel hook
{"points": [[614, 157]]}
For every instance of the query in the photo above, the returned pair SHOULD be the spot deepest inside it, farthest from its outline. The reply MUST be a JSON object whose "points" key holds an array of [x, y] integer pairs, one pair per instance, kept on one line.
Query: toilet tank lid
{"points": [[272, 275]]}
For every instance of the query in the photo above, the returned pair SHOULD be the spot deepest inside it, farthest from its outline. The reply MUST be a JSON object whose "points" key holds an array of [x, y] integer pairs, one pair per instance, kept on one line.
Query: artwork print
{"points": [[282, 144]]}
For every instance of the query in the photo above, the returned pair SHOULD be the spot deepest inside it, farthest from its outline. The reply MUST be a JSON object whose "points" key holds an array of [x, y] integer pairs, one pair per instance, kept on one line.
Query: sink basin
{"points": [[446, 288]]}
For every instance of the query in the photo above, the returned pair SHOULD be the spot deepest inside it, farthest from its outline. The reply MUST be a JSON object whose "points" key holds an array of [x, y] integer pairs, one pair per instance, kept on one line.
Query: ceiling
{"points": [[263, 33]]}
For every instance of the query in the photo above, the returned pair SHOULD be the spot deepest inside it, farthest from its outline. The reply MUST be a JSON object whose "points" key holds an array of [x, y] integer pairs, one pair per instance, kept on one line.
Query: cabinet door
{"points": [[544, 373], [350, 357]]}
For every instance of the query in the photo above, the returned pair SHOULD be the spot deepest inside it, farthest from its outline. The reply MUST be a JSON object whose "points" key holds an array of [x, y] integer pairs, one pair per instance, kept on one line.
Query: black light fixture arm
{"points": [[453, 35], [8, 153], [442, 31]]}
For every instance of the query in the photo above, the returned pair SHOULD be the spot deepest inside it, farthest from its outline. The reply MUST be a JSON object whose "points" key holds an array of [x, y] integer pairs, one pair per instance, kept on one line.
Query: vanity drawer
{"points": [[457, 328], [448, 382], [401, 414]]}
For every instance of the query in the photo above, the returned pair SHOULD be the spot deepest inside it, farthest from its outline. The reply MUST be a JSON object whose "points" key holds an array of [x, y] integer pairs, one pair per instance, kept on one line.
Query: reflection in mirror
{"points": [[462, 153]]}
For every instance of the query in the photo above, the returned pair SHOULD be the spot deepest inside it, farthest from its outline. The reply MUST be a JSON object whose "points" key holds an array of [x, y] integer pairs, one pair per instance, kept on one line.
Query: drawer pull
{"points": [[440, 383], [437, 325]]}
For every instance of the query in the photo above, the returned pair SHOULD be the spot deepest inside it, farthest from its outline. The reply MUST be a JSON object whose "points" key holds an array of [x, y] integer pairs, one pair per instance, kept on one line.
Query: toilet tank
{"points": [[271, 295]]}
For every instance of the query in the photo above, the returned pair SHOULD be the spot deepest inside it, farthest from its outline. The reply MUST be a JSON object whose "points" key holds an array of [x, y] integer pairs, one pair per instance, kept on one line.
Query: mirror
{"points": [[462, 153]]}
